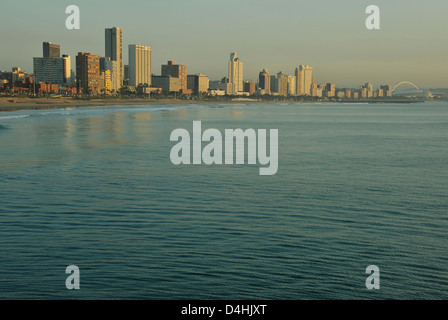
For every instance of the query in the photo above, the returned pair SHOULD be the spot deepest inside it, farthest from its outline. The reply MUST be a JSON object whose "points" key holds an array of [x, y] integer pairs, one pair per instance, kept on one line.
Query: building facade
{"points": [[67, 68], [114, 50], [330, 90], [51, 50], [88, 72], [166, 83], [49, 70], [292, 85], [249, 87], [105, 82], [235, 74], [264, 81], [274, 85], [304, 75], [176, 71], [107, 64], [198, 83], [282, 86], [139, 68]]}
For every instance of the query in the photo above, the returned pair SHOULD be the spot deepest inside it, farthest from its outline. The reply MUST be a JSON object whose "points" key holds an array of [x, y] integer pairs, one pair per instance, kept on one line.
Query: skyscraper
{"points": [[282, 86], [105, 83], [139, 65], [264, 81], [51, 67], [274, 84], [126, 74], [114, 51], [67, 68], [176, 71], [330, 89], [235, 74], [88, 72], [386, 90], [304, 75], [51, 50], [369, 88], [314, 90], [107, 64], [292, 85]]}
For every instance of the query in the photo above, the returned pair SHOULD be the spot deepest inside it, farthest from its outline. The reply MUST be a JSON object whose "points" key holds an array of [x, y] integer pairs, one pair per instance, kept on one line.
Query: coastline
{"points": [[9, 104], [22, 103]]}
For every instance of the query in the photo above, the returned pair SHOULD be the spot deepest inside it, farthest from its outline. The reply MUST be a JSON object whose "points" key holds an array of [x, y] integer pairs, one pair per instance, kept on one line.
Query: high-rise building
{"points": [[249, 87], [105, 82], [340, 94], [304, 75], [235, 74], [17, 76], [104, 63], [88, 72], [51, 50], [114, 50], [67, 68], [49, 70], [330, 90], [139, 69], [282, 86], [126, 75], [368, 90], [387, 92], [316, 90], [176, 71], [292, 85], [107, 64], [264, 81], [274, 84], [166, 83], [368, 86], [363, 92], [198, 83], [348, 93], [221, 85]]}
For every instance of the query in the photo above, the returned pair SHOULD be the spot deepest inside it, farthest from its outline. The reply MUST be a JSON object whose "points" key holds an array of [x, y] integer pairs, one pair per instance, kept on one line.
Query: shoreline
{"points": [[21, 103], [9, 104]]}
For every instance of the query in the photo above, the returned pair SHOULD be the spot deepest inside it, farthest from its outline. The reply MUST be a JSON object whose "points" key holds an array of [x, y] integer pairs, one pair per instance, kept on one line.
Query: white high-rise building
{"points": [[139, 65], [304, 75], [235, 74]]}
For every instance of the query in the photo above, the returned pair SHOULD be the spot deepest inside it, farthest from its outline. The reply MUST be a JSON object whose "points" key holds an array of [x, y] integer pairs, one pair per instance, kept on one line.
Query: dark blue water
{"points": [[357, 185]]}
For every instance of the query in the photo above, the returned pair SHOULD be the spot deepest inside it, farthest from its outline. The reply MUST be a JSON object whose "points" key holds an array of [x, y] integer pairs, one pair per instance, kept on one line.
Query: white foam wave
{"points": [[14, 117]]}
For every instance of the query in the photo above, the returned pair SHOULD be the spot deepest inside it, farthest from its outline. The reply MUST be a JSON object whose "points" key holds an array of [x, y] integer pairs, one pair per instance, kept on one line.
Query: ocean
{"points": [[357, 185]]}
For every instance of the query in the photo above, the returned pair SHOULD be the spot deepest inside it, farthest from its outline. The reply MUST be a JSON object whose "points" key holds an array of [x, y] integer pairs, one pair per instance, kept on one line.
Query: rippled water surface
{"points": [[358, 184]]}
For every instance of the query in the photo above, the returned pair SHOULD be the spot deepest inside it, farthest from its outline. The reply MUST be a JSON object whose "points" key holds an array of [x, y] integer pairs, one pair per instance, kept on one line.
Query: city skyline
{"points": [[95, 74], [331, 38]]}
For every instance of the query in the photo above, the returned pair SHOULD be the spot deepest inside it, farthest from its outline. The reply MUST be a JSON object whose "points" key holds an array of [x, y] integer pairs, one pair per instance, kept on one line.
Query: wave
{"points": [[14, 117]]}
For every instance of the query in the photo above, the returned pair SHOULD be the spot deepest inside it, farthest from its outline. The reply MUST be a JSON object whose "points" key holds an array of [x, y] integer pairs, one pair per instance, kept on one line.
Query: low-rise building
{"points": [[167, 83]]}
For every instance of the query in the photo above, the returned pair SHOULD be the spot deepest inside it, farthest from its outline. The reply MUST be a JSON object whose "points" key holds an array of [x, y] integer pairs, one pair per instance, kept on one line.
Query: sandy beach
{"points": [[22, 103]]}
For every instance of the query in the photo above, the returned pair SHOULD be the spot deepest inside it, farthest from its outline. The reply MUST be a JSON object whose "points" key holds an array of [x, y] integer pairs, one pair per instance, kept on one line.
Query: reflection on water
{"points": [[357, 185]]}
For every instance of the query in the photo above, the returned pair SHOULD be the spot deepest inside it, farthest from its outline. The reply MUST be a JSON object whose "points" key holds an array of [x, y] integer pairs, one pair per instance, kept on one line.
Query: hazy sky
{"points": [[278, 35]]}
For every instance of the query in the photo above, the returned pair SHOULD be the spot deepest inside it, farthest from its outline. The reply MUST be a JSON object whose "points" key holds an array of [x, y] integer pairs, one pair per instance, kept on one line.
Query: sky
{"points": [[279, 35]]}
